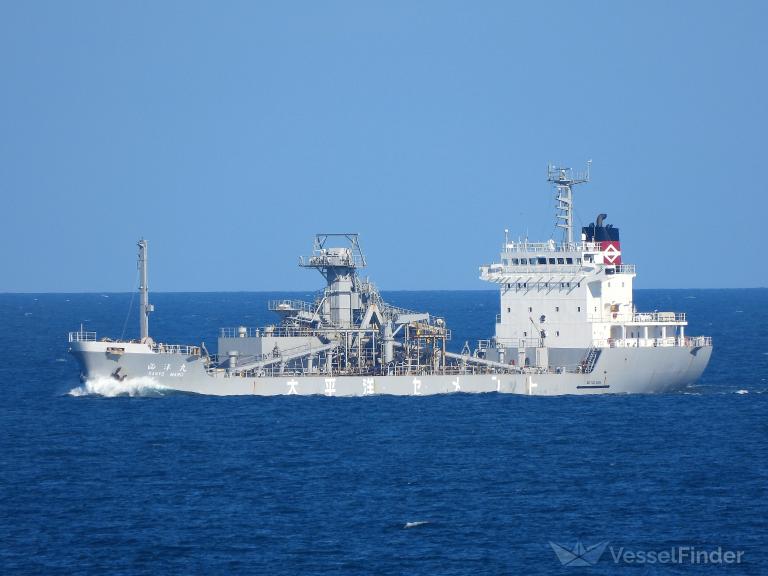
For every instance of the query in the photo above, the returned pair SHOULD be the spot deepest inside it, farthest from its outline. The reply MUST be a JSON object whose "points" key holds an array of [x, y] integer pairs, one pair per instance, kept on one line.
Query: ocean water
{"points": [[133, 481]]}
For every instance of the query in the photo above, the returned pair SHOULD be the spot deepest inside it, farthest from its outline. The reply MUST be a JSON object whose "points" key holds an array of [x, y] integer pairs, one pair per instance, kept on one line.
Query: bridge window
{"points": [[569, 260], [515, 261], [551, 260], [542, 260], [523, 261], [561, 260]]}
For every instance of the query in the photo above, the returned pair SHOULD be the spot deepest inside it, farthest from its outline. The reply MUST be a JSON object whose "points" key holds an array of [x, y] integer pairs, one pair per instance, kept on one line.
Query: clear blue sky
{"points": [[228, 133]]}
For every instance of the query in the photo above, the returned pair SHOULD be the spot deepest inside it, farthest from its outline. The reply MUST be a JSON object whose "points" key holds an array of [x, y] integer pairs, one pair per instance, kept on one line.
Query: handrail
{"points": [[510, 343], [82, 336], [519, 342], [256, 332], [673, 341], [509, 270], [289, 304], [161, 348], [659, 317], [650, 318], [574, 247]]}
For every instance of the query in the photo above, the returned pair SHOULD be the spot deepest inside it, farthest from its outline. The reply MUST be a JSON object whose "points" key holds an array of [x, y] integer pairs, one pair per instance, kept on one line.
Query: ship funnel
{"points": [[600, 218]]}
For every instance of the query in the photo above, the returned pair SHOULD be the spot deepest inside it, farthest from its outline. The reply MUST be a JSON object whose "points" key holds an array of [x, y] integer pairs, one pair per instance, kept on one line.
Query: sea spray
{"points": [[110, 387]]}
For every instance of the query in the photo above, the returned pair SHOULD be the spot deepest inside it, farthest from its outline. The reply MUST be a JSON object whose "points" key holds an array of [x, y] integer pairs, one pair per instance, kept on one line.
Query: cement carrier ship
{"points": [[567, 325]]}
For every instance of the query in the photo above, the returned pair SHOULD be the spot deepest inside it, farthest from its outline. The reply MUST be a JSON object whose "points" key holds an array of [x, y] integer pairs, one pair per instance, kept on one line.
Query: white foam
{"points": [[742, 391], [414, 524], [109, 387]]}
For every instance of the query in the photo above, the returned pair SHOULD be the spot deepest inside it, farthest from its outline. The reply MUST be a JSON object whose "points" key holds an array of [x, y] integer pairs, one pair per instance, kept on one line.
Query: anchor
{"points": [[117, 376]]}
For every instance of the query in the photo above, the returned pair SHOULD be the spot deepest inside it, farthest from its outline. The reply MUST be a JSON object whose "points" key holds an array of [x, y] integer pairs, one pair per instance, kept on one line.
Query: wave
{"points": [[111, 388], [415, 524]]}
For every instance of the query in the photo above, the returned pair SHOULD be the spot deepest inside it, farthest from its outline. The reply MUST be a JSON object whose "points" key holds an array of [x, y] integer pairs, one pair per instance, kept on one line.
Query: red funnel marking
{"points": [[611, 251]]}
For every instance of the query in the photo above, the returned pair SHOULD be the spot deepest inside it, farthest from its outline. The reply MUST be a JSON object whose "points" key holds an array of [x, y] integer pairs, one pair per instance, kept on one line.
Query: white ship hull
{"points": [[617, 371], [567, 324]]}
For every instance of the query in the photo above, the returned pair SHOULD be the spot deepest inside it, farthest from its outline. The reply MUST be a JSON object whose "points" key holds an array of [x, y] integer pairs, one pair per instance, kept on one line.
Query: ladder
{"points": [[591, 359]]}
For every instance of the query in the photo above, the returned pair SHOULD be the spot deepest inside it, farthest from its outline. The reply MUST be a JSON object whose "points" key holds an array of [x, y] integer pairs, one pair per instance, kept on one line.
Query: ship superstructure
{"points": [[560, 299], [567, 325]]}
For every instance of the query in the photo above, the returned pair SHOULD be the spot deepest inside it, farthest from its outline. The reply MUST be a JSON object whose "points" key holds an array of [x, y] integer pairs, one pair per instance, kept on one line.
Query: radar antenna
{"points": [[564, 179]]}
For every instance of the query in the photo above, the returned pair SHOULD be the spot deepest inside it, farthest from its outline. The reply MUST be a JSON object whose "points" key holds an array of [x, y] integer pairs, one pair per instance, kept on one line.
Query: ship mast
{"points": [[145, 307], [564, 179]]}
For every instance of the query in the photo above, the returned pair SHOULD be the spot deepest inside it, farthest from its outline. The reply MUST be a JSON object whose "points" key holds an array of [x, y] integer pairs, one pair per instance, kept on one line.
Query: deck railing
{"points": [[658, 317], [176, 349], [674, 341], [519, 270], [288, 304], [510, 343], [573, 247], [651, 318], [82, 336], [265, 331]]}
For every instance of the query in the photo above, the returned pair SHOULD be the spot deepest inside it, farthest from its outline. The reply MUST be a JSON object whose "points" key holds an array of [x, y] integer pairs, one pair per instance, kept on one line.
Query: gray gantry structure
{"points": [[347, 329]]}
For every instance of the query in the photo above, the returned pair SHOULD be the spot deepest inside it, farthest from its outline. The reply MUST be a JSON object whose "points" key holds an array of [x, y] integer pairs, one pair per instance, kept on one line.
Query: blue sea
{"points": [[455, 484]]}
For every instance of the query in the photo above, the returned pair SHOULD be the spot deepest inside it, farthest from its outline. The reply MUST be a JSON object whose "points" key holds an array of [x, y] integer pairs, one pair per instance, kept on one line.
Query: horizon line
{"points": [[85, 292]]}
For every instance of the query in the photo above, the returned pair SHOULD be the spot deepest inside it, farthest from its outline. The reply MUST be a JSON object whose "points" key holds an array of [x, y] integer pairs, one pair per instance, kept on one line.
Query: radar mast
{"points": [[564, 179]]}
